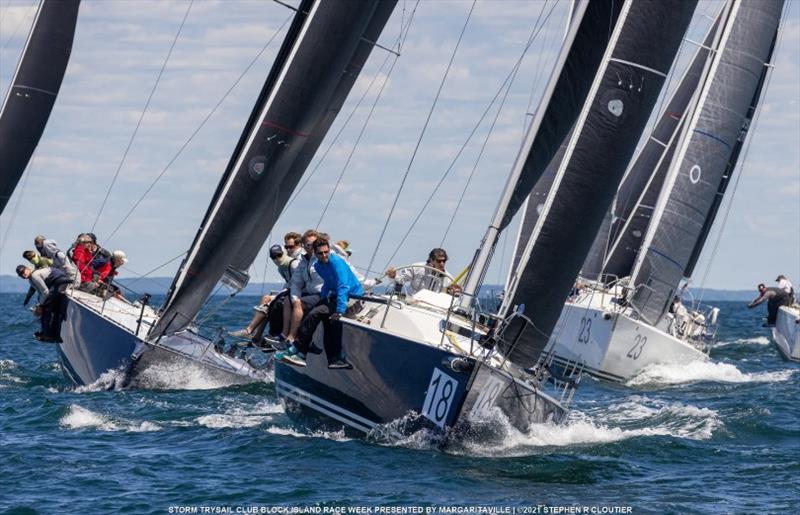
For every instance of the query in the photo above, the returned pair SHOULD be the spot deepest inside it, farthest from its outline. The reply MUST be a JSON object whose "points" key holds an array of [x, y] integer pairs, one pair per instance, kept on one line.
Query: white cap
{"points": [[118, 254]]}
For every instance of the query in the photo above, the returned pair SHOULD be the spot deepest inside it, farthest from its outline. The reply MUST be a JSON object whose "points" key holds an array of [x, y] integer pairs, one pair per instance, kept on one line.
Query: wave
{"points": [[241, 416], [756, 340], [665, 373], [109, 380], [177, 376], [78, 417], [337, 436]]}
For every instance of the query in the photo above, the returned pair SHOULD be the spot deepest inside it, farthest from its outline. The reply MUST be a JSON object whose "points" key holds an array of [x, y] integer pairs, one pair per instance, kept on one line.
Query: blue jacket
{"points": [[338, 280]]}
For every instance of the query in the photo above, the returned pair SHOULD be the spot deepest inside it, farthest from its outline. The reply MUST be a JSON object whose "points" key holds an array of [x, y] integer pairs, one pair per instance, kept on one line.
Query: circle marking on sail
{"points": [[616, 107], [694, 174]]}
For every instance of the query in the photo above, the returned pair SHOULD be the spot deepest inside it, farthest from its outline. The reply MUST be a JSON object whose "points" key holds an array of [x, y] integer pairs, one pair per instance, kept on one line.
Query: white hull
{"points": [[610, 344], [786, 333]]}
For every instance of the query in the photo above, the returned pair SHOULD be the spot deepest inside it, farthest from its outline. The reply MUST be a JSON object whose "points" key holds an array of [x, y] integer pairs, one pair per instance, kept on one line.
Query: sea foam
{"points": [[703, 371], [79, 417]]}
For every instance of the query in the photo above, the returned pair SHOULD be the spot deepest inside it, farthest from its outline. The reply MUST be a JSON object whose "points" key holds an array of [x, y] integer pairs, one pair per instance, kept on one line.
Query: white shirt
{"points": [[418, 278]]}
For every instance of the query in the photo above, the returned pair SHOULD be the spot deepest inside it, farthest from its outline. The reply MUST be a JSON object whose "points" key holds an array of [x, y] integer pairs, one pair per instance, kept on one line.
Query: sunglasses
{"points": [[440, 261], [289, 247]]}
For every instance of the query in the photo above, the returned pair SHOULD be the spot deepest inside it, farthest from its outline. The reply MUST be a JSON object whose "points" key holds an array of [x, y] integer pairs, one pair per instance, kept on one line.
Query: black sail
{"points": [[645, 42], [703, 157], [320, 60], [642, 184], [33, 89], [726, 177]]}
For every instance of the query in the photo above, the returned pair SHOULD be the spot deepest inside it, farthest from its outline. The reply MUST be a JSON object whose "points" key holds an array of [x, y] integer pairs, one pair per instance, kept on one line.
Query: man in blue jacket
{"points": [[339, 283]]}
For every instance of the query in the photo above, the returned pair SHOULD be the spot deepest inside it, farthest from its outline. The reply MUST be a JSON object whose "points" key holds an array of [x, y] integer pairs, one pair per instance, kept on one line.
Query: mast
{"points": [[634, 67], [703, 155], [34, 88], [320, 60]]}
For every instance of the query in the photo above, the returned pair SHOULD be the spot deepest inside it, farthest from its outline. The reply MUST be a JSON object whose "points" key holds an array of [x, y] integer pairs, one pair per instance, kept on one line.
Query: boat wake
{"points": [[242, 416], [6, 375], [78, 417], [108, 380], [756, 340], [670, 374], [173, 375]]}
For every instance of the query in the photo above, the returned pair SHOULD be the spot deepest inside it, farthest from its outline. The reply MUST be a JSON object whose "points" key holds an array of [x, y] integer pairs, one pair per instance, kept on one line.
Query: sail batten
{"points": [[624, 90], [33, 90], [322, 55], [686, 205]]}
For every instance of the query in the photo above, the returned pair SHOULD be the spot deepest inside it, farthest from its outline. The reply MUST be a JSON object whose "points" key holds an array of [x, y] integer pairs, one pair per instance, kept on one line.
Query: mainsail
{"points": [[637, 57], [320, 60], [702, 158], [639, 190], [33, 89]]}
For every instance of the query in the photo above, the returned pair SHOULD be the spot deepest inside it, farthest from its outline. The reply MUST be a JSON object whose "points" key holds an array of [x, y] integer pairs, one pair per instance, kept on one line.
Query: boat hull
{"points": [[399, 381], [613, 346], [786, 333], [99, 337]]}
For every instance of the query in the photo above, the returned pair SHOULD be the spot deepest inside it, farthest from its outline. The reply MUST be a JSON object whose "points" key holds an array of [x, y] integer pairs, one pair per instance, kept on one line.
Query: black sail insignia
{"points": [[701, 161], [322, 56], [643, 45], [34, 88]]}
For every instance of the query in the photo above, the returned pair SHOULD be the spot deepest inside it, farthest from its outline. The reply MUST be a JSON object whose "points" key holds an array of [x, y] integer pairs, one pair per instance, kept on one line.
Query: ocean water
{"points": [[718, 437]]}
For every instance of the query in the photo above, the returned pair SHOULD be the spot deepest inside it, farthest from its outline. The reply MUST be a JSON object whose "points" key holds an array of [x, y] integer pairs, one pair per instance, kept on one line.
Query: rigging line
{"points": [[31, 9], [319, 162], [748, 144], [199, 127], [478, 159], [13, 216], [537, 74], [336, 137], [159, 267], [502, 259], [422, 134], [469, 138], [358, 139], [141, 115]]}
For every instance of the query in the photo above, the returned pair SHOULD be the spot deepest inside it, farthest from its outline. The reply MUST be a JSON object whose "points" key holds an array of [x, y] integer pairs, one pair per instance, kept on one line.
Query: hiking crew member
{"points": [[50, 250], [339, 283], [775, 298], [785, 285], [51, 308], [304, 288]]}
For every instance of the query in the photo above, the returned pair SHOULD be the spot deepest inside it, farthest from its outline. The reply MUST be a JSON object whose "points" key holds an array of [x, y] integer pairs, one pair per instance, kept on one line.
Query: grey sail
{"points": [[643, 45], [33, 89], [726, 177], [592, 267], [322, 55], [642, 184], [702, 158]]}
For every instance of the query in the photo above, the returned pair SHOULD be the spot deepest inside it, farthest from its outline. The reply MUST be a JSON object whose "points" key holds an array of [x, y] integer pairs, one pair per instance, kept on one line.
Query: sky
{"points": [[121, 45]]}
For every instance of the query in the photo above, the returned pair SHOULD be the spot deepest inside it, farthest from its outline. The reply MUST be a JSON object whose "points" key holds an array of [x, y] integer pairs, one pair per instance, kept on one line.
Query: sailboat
{"points": [[320, 59], [436, 361], [786, 333], [34, 88], [622, 320]]}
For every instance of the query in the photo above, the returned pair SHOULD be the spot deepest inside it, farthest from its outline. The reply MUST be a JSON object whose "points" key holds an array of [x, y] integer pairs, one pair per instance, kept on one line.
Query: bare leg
{"points": [[297, 316]]}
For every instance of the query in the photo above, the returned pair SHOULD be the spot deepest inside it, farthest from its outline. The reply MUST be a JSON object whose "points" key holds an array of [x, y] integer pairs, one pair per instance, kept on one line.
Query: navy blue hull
{"points": [[396, 379], [92, 345]]}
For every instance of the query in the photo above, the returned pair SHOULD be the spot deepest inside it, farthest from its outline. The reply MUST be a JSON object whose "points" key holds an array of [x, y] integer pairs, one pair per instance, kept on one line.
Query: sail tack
{"points": [[704, 155], [321, 57], [637, 57], [33, 89]]}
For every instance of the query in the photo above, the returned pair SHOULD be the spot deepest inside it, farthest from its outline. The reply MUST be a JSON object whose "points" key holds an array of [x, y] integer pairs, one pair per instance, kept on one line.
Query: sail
{"points": [[319, 61], [535, 204], [33, 89], [638, 56], [642, 184], [593, 264], [702, 157], [726, 177]]}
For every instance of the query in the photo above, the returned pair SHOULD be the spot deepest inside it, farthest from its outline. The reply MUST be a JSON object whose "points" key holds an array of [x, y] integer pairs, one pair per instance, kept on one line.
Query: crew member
{"points": [[775, 298]]}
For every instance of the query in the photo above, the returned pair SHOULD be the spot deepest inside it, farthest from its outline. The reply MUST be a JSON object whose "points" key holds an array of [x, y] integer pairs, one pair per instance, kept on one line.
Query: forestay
{"points": [[321, 57], [637, 58], [639, 190], [716, 125], [33, 89]]}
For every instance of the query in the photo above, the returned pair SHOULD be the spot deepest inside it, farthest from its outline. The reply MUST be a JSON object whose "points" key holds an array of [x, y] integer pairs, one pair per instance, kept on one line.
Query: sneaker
{"points": [[339, 364], [298, 360], [241, 333], [280, 356]]}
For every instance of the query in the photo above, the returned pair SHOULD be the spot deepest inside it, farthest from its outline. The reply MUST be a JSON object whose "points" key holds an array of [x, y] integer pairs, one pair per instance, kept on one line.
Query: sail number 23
{"points": [[439, 398]]}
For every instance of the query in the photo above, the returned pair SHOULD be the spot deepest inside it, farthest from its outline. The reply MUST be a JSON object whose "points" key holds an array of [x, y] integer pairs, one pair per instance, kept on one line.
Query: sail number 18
{"points": [[439, 398]]}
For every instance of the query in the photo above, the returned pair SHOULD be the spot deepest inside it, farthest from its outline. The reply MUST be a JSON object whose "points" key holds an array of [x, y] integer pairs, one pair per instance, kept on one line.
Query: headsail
{"points": [[703, 156], [639, 190], [322, 55], [637, 58], [33, 89]]}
